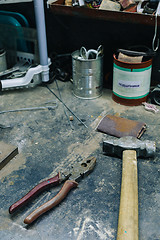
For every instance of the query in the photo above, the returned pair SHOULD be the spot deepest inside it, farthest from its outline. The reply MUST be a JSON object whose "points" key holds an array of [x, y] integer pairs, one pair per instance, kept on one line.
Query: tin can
{"points": [[87, 76]]}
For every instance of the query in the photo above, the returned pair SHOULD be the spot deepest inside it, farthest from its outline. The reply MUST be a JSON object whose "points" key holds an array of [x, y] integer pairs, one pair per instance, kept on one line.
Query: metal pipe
{"points": [[41, 34]]}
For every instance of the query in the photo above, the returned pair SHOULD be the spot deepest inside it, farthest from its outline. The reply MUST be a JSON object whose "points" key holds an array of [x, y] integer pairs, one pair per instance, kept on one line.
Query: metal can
{"points": [[87, 76]]}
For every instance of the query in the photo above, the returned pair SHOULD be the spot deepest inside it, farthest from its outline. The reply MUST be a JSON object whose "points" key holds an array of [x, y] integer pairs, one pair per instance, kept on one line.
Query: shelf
{"points": [[115, 16], [13, 1]]}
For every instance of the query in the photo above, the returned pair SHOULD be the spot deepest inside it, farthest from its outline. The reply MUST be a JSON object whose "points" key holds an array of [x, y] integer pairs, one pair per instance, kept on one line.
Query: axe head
{"points": [[115, 146]]}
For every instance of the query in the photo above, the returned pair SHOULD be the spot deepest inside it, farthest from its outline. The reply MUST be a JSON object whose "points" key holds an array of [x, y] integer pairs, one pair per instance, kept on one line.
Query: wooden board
{"points": [[7, 152], [59, 8]]}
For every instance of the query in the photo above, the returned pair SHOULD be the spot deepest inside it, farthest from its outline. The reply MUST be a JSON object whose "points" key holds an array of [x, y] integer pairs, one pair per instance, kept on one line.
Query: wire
{"points": [[63, 105], [66, 107], [155, 35]]}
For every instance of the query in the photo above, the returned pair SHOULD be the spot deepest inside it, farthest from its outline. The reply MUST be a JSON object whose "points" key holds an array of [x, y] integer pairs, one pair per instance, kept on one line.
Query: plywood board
{"points": [[7, 152]]}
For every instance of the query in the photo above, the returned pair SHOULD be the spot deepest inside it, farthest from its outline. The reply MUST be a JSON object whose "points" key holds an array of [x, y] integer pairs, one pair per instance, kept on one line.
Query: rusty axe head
{"points": [[115, 146]]}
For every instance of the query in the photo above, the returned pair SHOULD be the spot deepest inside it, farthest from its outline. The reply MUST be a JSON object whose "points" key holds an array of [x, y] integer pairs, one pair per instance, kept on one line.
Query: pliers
{"points": [[71, 178]]}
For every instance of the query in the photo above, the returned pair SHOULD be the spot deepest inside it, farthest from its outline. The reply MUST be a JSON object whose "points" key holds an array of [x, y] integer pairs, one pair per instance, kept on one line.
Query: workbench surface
{"points": [[48, 143]]}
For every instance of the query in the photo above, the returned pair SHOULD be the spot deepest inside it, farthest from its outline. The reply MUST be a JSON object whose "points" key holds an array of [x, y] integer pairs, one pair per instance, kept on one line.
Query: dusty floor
{"points": [[47, 143]]}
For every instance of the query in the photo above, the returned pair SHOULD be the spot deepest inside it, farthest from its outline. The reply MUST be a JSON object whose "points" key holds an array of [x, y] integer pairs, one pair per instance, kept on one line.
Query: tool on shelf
{"points": [[71, 177]]}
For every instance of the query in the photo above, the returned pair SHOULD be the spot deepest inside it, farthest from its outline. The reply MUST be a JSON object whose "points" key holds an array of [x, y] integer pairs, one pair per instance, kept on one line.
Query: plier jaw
{"points": [[83, 168], [78, 170]]}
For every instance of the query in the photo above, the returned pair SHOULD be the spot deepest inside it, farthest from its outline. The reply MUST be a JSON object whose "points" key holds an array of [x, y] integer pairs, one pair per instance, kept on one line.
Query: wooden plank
{"points": [[13, 1], [7, 152]]}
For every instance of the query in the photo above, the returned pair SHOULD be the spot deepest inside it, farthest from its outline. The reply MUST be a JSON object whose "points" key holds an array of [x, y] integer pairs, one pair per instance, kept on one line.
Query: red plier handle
{"points": [[34, 192], [68, 185]]}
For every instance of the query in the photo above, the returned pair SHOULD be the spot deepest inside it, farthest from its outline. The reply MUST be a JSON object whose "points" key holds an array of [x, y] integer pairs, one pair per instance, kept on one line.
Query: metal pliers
{"points": [[71, 178]]}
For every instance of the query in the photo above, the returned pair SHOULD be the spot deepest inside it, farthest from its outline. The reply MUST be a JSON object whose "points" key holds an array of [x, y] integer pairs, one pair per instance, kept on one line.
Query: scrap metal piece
{"points": [[2, 126], [8, 71], [120, 127]]}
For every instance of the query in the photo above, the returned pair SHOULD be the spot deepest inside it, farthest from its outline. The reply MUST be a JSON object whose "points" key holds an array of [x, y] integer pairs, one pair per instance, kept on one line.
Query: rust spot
{"points": [[120, 126]]}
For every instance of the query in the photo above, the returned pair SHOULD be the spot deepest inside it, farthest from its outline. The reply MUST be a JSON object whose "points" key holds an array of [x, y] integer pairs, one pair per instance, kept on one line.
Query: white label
{"points": [[130, 85]]}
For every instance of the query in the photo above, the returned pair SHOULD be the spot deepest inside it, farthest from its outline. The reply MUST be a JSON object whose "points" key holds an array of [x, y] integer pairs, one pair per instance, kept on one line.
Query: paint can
{"points": [[87, 76], [131, 81]]}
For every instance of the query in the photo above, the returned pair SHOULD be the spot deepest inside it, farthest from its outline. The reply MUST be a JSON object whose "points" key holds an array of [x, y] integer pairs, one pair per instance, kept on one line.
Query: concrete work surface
{"points": [[47, 143]]}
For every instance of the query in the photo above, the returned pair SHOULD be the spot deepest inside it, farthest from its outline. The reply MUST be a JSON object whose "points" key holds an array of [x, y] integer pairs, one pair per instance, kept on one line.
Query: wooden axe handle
{"points": [[128, 211]]}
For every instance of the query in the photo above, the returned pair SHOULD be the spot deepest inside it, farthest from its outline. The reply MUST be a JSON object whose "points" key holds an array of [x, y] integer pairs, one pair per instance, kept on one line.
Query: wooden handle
{"points": [[68, 185], [128, 211], [34, 192]]}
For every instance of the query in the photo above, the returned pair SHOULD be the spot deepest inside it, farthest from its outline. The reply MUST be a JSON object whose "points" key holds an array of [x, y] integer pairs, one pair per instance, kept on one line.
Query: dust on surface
{"points": [[87, 224], [16, 163]]}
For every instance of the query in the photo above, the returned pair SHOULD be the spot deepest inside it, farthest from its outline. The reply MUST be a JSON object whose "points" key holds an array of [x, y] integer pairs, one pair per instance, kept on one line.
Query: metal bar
{"points": [[63, 105]]}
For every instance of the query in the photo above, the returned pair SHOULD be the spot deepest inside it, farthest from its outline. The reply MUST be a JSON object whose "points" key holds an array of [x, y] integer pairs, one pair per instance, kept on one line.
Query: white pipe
{"points": [[41, 33], [23, 81]]}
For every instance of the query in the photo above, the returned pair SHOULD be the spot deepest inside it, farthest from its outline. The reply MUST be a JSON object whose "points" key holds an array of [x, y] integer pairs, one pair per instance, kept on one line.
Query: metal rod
{"points": [[63, 105], [28, 109], [41, 34], [66, 107]]}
